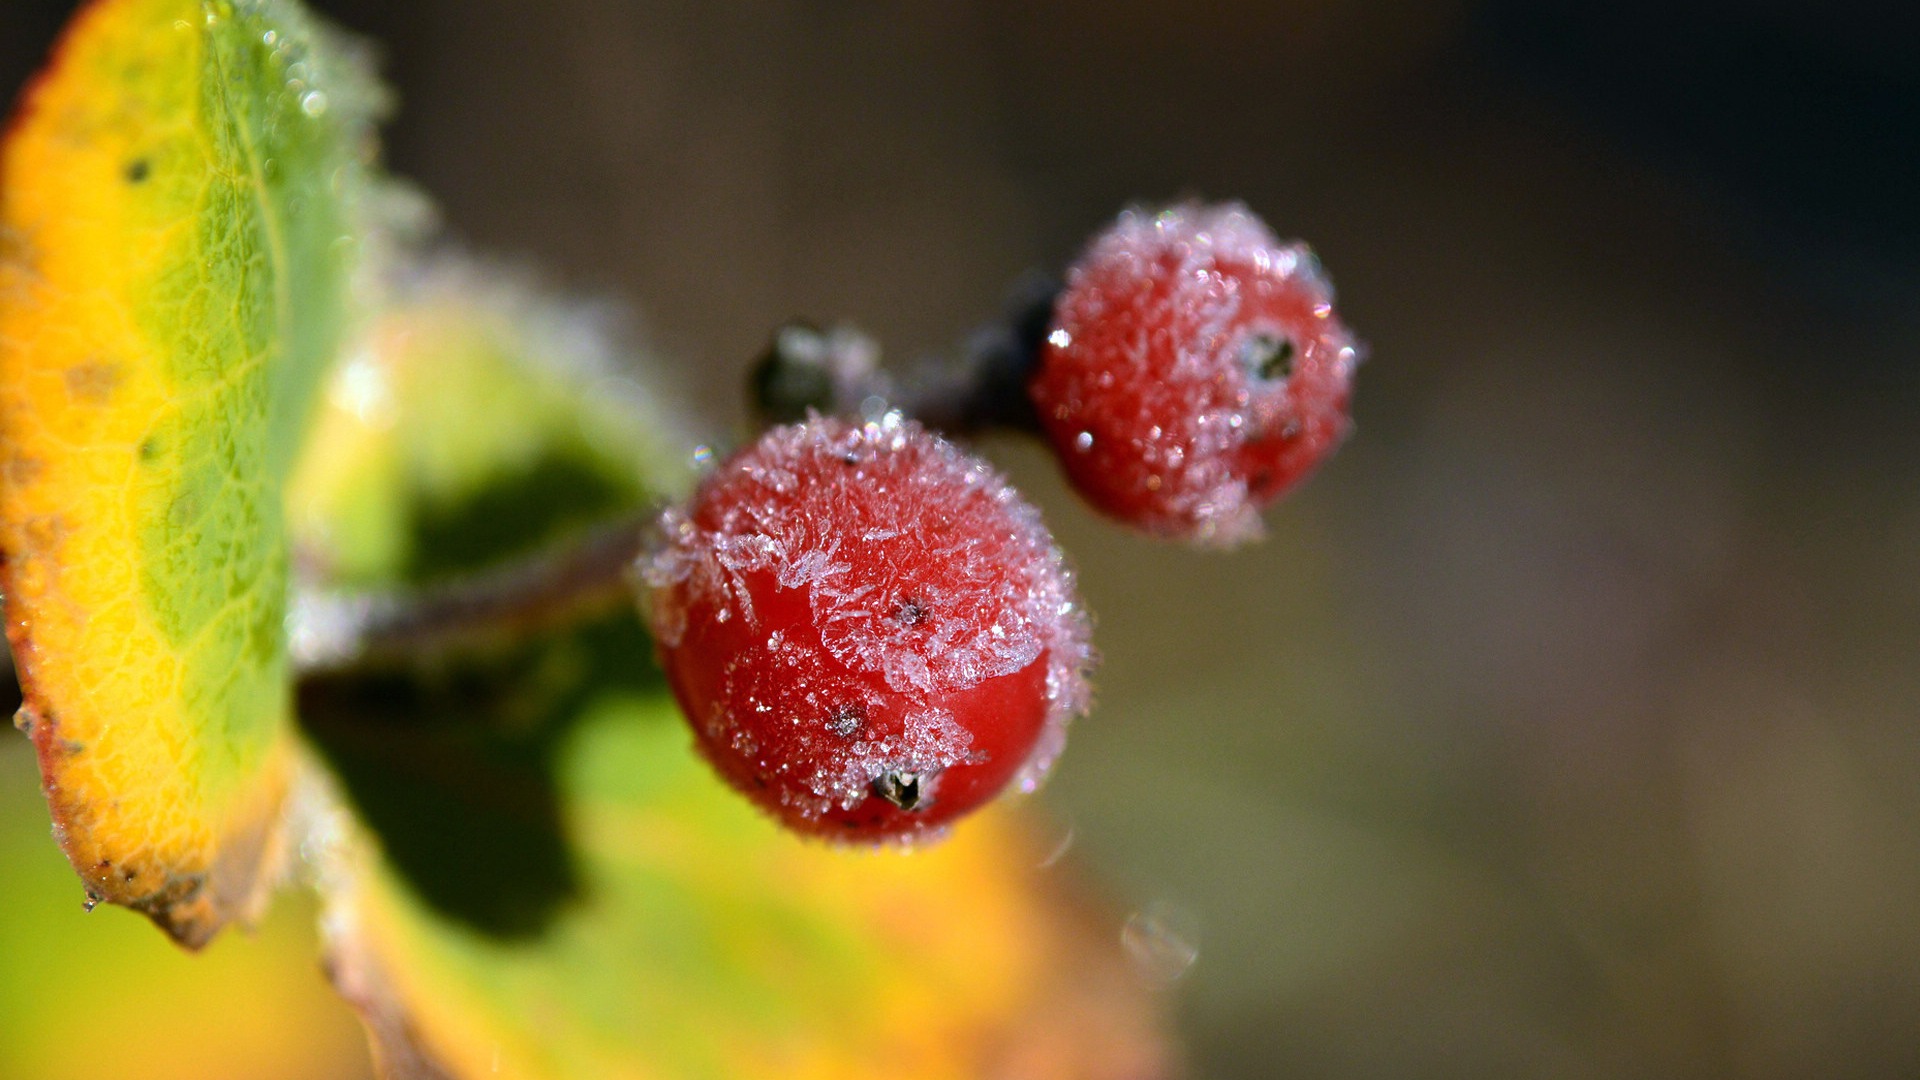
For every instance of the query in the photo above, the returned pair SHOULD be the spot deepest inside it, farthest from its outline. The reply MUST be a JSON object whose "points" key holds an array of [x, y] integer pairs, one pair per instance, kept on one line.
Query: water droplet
{"points": [[1159, 939], [314, 103], [1060, 848], [1059, 339], [92, 901], [270, 38], [1083, 442], [702, 456]]}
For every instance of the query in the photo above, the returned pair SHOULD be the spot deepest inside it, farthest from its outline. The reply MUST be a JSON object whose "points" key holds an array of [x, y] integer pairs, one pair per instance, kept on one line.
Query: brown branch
{"points": [[337, 631], [837, 372]]}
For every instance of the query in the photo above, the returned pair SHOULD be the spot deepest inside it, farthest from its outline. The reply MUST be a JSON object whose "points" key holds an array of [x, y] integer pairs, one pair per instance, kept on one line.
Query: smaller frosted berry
{"points": [[869, 631], [1194, 372]]}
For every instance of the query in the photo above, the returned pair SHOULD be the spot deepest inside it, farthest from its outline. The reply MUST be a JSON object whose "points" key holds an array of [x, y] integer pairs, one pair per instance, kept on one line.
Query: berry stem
{"points": [[331, 632], [836, 372]]}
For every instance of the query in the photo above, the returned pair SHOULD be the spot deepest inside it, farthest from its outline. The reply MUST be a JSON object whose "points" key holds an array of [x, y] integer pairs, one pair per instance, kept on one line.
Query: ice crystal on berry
{"points": [[1194, 372], [870, 631]]}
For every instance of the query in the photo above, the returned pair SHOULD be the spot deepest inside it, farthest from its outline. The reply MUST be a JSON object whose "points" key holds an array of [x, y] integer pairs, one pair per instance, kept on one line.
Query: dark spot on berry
{"points": [[901, 788], [850, 459], [911, 612], [149, 449], [138, 170], [1268, 356], [847, 721], [128, 875]]}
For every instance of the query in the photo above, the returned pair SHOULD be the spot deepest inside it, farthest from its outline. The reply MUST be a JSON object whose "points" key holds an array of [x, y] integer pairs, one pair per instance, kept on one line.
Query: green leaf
{"points": [[178, 200]]}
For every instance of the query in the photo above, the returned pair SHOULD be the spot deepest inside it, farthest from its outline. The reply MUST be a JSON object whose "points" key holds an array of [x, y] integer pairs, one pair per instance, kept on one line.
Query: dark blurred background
{"points": [[1569, 723]]}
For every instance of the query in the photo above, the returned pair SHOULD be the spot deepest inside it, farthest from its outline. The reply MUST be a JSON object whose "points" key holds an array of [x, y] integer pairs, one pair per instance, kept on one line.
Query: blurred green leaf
{"points": [[546, 881], [478, 421]]}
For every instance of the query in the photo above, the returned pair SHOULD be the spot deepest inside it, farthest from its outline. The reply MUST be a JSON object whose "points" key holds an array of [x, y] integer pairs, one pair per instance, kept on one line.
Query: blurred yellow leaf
{"points": [[89, 996], [701, 940]]}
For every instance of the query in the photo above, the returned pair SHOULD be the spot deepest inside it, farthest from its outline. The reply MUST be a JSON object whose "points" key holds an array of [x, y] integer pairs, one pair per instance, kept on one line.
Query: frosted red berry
{"points": [[870, 632], [1194, 371]]}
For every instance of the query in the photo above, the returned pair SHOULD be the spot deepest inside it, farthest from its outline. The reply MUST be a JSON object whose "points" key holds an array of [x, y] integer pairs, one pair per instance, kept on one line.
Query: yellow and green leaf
{"points": [[176, 238]]}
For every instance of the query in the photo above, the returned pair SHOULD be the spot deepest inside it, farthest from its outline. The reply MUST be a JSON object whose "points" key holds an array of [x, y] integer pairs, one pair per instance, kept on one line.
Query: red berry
{"points": [[869, 630], [1194, 372]]}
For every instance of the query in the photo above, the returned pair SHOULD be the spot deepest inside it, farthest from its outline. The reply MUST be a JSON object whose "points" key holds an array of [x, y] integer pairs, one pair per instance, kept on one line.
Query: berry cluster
{"points": [[872, 633]]}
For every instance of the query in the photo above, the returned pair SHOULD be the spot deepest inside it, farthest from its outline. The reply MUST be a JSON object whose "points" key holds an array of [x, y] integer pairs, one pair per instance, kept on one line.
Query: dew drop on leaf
{"points": [[1160, 941]]}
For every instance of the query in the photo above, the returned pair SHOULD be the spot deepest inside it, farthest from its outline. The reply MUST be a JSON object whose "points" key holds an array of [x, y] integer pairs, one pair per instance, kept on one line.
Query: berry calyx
{"points": [[1194, 372], [870, 632]]}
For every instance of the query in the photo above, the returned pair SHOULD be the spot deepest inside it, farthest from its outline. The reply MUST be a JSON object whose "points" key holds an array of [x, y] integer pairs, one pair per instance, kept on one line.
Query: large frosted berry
{"points": [[1194, 371], [870, 632]]}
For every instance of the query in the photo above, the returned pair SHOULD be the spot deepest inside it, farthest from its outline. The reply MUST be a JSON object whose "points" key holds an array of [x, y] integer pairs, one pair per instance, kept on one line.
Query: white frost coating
{"points": [[919, 564]]}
